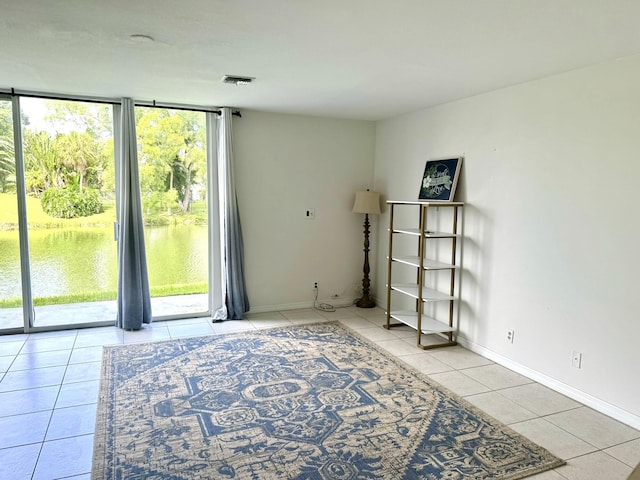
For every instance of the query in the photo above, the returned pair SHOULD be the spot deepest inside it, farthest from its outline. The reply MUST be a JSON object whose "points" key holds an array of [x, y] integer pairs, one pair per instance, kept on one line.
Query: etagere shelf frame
{"points": [[423, 295]]}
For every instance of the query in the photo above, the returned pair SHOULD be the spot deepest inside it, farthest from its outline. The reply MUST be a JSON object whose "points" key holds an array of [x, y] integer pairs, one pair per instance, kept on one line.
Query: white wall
{"points": [[285, 164], [551, 175]]}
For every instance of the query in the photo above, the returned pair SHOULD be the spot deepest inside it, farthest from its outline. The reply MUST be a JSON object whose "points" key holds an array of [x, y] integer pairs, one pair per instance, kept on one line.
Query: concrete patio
{"points": [[75, 314]]}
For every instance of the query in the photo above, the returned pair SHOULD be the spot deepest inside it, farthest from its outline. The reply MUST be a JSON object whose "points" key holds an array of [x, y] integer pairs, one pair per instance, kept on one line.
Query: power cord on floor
{"points": [[327, 307]]}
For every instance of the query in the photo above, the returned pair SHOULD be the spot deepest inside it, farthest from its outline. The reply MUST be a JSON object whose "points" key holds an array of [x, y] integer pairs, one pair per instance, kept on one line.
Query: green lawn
{"points": [[39, 219], [161, 291]]}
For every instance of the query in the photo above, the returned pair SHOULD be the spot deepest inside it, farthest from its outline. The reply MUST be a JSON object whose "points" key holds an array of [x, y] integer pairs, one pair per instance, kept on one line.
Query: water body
{"points": [[84, 259]]}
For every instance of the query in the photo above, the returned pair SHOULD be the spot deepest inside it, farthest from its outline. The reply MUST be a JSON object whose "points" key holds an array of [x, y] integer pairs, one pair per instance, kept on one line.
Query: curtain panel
{"points": [[234, 287], [134, 299]]}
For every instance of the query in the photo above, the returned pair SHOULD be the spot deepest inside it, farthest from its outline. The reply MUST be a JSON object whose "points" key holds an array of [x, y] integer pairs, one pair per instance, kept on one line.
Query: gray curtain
{"points": [[235, 292], [134, 300]]}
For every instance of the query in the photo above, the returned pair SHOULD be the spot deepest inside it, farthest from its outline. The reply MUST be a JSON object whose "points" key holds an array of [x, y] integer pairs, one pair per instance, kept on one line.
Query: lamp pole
{"points": [[366, 202], [366, 301]]}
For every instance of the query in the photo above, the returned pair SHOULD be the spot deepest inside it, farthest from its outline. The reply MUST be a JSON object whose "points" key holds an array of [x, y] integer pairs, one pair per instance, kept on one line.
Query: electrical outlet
{"points": [[576, 359], [310, 213], [510, 335], [315, 285]]}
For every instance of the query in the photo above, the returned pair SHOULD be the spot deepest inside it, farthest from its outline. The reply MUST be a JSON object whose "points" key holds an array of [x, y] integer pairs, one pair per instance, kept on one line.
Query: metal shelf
{"points": [[427, 264], [427, 234], [428, 324], [428, 294]]}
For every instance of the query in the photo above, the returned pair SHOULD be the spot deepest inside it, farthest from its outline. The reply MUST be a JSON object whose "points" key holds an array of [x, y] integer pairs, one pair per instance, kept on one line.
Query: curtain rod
{"points": [[111, 101], [178, 106], [55, 96]]}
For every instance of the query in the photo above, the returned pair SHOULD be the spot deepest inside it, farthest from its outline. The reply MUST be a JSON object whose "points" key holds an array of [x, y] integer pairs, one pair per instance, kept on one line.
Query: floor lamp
{"points": [[368, 203]]}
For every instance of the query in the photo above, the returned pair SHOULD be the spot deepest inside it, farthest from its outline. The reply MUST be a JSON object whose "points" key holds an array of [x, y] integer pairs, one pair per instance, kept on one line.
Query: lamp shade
{"points": [[367, 202]]}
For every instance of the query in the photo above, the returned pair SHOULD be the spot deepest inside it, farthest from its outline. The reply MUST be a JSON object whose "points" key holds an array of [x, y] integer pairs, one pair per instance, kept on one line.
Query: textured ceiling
{"points": [[365, 59]]}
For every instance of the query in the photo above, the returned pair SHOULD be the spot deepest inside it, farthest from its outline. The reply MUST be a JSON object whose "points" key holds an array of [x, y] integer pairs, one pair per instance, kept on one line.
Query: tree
{"points": [[185, 174], [173, 143], [7, 152], [107, 173], [194, 159], [7, 162], [93, 118], [78, 152], [43, 166], [6, 120], [76, 155]]}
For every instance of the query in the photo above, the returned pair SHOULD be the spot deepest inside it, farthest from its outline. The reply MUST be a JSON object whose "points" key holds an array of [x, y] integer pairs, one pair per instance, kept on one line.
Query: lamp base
{"points": [[365, 302]]}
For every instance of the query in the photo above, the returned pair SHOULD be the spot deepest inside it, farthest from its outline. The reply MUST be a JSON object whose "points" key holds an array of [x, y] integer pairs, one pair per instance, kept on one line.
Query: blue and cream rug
{"points": [[312, 402]]}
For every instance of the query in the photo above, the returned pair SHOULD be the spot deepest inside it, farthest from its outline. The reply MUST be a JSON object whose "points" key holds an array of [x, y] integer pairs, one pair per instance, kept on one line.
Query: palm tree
{"points": [[7, 162], [78, 151], [43, 166]]}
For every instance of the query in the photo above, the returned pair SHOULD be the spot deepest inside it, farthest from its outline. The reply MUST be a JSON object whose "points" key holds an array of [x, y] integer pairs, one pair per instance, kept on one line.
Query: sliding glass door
{"points": [[10, 281], [70, 206], [173, 182], [58, 254]]}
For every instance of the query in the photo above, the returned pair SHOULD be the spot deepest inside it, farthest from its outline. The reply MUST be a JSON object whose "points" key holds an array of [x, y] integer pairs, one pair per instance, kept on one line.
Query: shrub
{"points": [[69, 202]]}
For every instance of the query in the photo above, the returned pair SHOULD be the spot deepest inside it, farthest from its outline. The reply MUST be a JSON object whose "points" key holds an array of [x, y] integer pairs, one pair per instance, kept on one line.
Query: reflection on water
{"points": [[84, 259]]}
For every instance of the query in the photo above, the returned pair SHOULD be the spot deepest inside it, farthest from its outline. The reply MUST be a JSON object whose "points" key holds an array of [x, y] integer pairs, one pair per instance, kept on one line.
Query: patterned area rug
{"points": [[313, 402]]}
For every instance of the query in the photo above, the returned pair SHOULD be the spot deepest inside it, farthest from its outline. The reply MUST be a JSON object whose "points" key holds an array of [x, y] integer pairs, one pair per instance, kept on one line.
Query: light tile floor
{"points": [[49, 387]]}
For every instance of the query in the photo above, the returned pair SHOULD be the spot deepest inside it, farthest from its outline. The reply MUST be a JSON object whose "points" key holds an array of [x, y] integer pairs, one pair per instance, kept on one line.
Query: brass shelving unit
{"points": [[420, 291]]}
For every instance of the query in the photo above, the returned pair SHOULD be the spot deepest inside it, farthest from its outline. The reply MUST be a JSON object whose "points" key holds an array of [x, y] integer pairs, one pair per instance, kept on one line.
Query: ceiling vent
{"points": [[237, 80]]}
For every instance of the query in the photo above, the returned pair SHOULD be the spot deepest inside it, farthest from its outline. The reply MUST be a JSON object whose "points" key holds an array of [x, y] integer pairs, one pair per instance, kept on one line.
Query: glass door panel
{"points": [[70, 184], [10, 280], [173, 173]]}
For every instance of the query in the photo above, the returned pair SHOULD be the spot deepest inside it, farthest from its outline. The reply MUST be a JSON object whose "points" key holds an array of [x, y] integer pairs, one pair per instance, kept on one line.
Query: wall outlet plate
{"points": [[510, 335], [576, 359]]}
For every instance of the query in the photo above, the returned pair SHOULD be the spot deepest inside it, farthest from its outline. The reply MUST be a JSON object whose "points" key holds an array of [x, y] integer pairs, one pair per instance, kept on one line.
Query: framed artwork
{"points": [[440, 179]]}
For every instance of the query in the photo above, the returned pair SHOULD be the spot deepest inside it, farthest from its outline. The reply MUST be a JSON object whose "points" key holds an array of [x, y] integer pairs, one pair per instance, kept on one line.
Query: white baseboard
{"points": [[601, 406], [282, 306], [339, 302]]}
